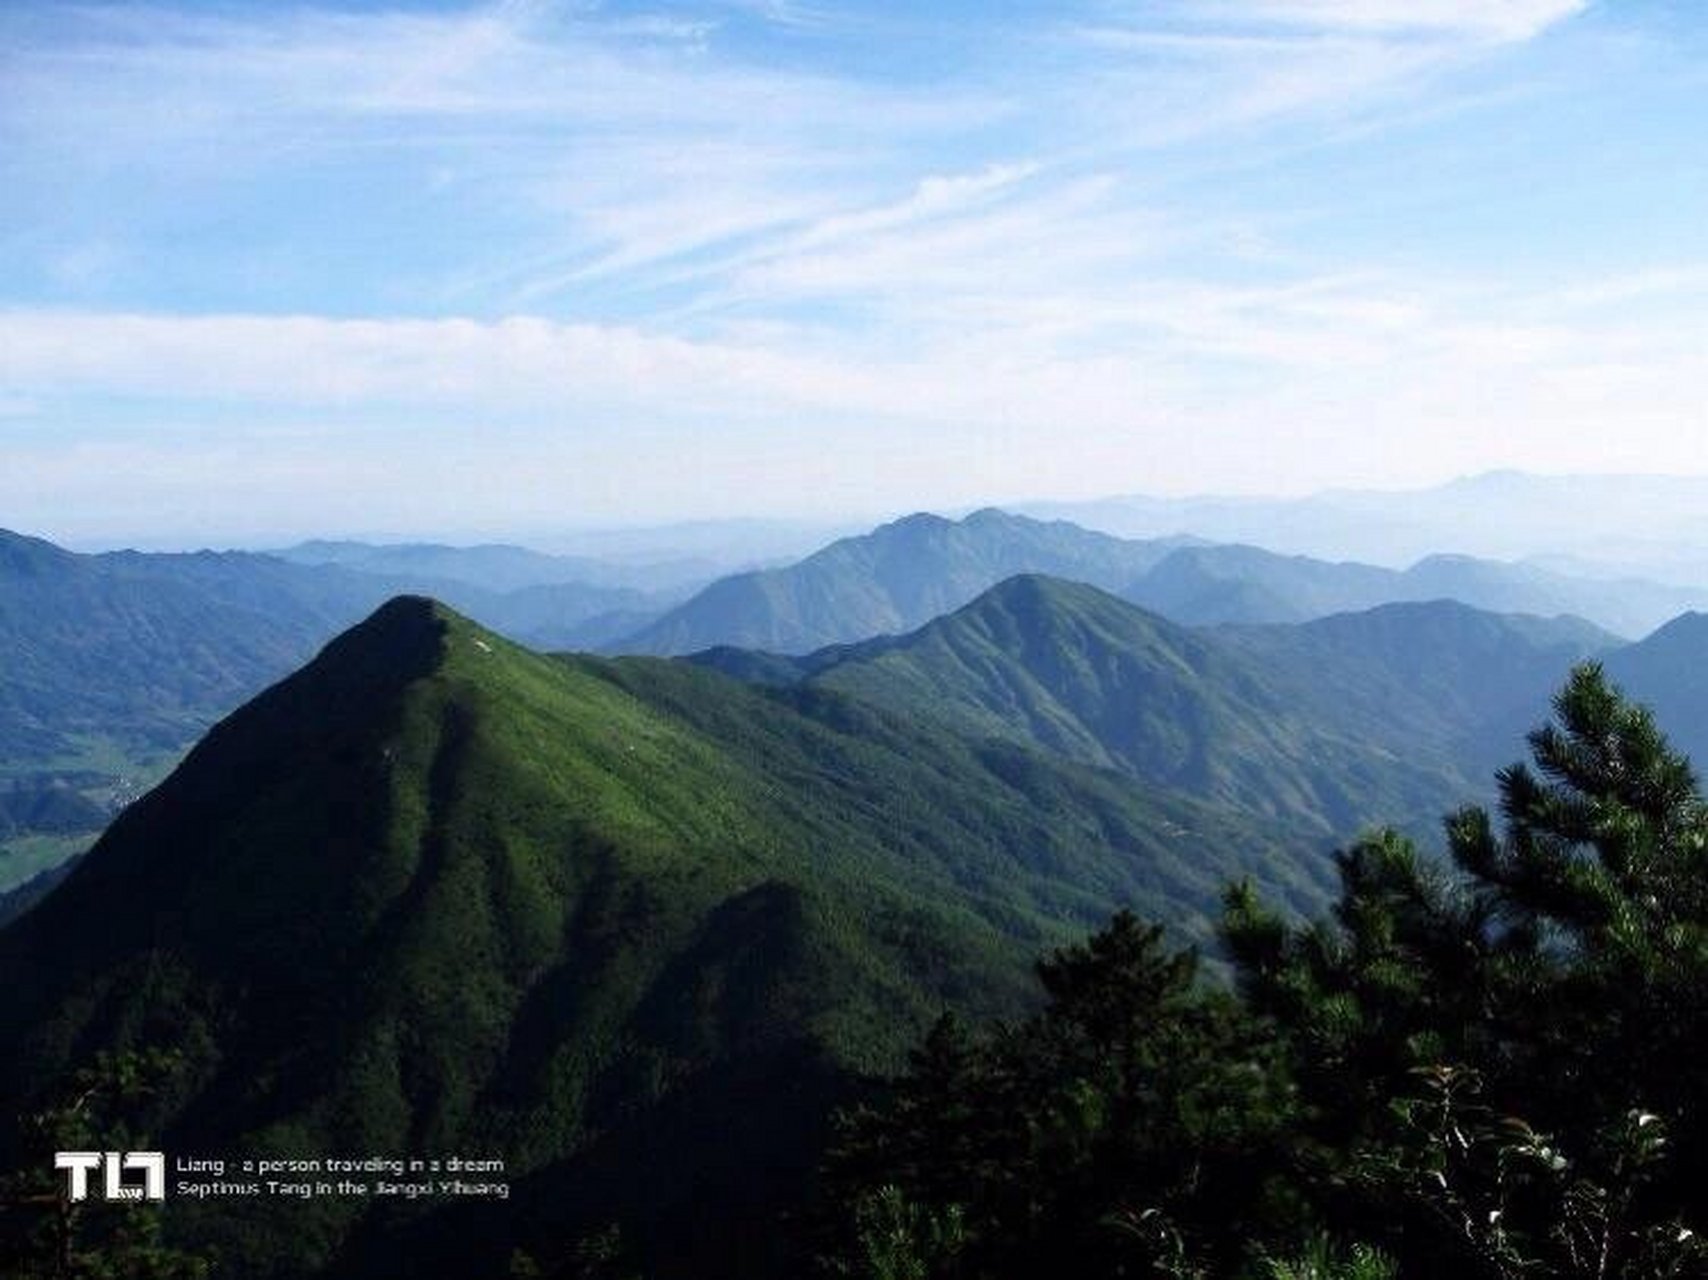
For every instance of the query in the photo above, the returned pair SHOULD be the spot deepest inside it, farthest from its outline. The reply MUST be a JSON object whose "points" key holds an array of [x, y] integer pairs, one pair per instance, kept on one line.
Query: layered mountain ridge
{"points": [[893, 579], [903, 574], [437, 893], [115, 663], [1350, 720]]}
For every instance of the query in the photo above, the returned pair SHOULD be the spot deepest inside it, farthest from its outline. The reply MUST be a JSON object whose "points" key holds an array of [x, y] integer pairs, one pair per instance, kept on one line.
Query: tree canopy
{"points": [[1488, 1065]]}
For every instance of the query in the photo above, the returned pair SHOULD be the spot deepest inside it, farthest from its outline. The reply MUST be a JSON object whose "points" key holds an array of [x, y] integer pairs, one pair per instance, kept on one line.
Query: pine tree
{"points": [[1121, 1130], [1493, 1065], [1472, 1049]]}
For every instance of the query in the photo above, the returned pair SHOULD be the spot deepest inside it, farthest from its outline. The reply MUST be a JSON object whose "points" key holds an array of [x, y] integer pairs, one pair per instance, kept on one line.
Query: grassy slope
{"points": [[112, 665], [1082, 674]]}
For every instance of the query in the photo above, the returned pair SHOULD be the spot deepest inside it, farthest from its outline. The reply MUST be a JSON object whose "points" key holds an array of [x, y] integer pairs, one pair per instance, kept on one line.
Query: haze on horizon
{"points": [[530, 265]]}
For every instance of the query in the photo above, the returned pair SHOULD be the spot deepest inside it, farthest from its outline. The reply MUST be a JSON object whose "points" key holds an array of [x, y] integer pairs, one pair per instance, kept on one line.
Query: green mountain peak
{"points": [[1093, 678], [437, 893]]}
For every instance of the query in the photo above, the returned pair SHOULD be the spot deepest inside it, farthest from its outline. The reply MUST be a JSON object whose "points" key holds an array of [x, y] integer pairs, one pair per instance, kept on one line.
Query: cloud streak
{"points": [[1106, 359], [621, 147], [1146, 241], [1500, 20]]}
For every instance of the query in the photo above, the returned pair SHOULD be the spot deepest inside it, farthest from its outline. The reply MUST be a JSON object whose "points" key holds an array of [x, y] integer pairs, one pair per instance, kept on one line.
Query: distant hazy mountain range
{"points": [[1645, 526], [1248, 584], [144, 647], [499, 568], [890, 580], [140, 648], [726, 545], [903, 574], [551, 602], [110, 665]]}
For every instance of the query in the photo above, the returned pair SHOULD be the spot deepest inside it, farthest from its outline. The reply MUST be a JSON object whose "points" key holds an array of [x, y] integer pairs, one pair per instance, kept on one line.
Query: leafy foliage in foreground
{"points": [[90, 1240], [1129, 1116], [1494, 1071]]}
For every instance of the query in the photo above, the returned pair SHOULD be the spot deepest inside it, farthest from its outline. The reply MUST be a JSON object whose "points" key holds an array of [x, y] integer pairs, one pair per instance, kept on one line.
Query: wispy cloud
{"points": [[1164, 236], [1670, 282], [1046, 352], [602, 143], [1188, 70], [1476, 19], [617, 144]]}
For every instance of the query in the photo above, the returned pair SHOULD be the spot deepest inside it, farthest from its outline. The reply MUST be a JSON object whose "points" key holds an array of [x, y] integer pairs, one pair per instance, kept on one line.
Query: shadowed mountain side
{"points": [[1439, 679], [1669, 670], [19, 899]]}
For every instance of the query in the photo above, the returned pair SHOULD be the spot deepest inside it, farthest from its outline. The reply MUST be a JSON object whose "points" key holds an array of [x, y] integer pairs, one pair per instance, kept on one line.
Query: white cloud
{"points": [[310, 360], [1478, 19], [1179, 72], [1687, 281], [1124, 359]]}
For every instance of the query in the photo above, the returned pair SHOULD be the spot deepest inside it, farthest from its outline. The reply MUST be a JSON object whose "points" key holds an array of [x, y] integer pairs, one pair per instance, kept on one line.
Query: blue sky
{"points": [[497, 269]]}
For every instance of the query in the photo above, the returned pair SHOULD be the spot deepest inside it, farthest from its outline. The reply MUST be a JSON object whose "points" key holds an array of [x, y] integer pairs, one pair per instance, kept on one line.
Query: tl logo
{"points": [[80, 1164]]}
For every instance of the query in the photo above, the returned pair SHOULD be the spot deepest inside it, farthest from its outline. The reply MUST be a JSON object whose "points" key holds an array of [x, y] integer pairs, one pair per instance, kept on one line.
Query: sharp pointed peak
{"points": [[406, 636]]}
